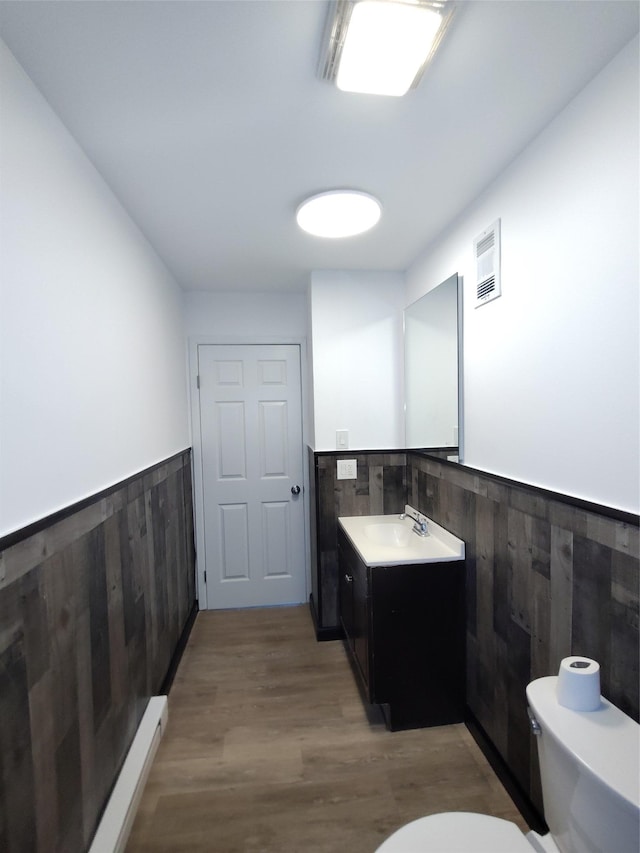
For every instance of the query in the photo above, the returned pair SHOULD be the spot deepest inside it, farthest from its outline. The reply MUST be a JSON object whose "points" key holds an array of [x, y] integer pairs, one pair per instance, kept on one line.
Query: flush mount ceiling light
{"points": [[338, 213], [381, 47]]}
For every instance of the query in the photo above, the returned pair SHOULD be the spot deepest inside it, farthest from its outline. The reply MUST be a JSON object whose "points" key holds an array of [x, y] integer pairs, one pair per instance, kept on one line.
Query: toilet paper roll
{"points": [[578, 684]]}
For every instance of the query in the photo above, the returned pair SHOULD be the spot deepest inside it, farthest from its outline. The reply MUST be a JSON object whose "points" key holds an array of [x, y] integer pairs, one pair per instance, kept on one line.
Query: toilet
{"points": [[590, 773]]}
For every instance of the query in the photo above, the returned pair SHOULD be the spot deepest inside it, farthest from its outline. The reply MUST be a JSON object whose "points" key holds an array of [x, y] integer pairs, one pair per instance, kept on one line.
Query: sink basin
{"points": [[389, 540], [391, 535]]}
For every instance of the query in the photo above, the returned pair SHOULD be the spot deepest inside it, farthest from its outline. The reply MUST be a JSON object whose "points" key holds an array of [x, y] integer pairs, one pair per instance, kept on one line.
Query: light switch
{"points": [[342, 439], [347, 469]]}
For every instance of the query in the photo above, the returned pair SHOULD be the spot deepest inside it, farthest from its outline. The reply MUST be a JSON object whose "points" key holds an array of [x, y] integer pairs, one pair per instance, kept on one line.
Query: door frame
{"points": [[195, 341]]}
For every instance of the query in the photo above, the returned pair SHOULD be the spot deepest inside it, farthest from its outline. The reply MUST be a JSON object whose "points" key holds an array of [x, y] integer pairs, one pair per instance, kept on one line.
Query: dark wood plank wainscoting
{"points": [[547, 576], [93, 602]]}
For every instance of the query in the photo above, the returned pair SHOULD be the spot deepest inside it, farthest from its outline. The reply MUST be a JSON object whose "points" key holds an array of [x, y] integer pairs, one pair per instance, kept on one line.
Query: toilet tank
{"points": [[590, 773]]}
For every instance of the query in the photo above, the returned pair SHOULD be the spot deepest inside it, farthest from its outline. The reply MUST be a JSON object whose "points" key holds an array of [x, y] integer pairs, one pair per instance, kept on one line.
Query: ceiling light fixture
{"points": [[381, 47], [338, 213]]}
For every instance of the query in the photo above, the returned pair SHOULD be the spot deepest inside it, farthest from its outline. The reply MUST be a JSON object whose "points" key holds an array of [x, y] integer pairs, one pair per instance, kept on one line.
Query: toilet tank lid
{"points": [[607, 741]]}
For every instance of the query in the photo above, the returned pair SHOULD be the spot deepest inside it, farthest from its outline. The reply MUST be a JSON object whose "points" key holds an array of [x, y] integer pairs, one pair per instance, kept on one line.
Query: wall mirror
{"points": [[433, 369]]}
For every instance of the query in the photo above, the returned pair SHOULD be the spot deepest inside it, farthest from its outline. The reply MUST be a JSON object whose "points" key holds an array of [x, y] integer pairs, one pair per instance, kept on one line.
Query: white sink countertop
{"points": [[389, 540]]}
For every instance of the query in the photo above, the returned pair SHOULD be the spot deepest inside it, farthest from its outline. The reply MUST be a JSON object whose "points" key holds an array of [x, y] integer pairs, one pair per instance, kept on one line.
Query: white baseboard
{"points": [[117, 820]]}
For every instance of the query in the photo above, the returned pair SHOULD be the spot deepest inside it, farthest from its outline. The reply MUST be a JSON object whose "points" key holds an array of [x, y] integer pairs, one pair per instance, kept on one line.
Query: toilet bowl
{"points": [[590, 774]]}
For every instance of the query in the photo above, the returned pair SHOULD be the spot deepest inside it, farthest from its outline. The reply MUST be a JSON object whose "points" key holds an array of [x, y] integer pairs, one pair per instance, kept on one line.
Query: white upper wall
{"points": [[92, 349], [245, 316], [551, 367], [357, 358]]}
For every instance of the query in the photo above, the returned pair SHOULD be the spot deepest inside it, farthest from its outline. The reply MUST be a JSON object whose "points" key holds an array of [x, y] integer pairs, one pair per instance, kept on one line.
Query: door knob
{"points": [[295, 490]]}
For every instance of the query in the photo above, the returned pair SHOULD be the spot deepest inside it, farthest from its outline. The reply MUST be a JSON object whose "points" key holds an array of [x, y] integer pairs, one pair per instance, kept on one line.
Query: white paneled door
{"points": [[251, 440]]}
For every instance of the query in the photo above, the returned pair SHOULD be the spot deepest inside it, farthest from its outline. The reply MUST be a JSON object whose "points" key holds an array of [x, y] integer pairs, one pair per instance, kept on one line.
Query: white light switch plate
{"points": [[342, 439], [347, 469]]}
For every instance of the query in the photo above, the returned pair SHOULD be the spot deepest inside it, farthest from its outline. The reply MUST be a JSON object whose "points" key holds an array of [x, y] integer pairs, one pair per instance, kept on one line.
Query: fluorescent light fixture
{"points": [[381, 47], [338, 213]]}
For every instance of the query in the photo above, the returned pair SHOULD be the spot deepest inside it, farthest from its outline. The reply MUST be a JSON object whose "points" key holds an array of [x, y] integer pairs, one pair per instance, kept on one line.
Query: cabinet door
{"points": [[418, 630], [361, 639], [345, 587], [354, 607]]}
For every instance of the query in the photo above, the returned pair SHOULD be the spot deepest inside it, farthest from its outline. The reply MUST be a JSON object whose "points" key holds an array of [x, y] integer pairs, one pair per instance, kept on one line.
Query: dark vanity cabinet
{"points": [[404, 628]]}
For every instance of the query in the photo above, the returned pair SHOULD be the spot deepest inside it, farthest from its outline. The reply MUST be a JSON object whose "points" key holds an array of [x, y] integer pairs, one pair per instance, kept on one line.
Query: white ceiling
{"points": [[211, 125]]}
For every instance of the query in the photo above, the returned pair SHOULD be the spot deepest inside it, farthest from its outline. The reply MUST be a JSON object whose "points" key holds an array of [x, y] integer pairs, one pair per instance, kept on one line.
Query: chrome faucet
{"points": [[420, 527]]}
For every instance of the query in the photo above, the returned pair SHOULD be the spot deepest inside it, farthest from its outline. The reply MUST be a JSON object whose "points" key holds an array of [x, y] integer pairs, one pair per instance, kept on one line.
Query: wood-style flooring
{"points": [[268, 748]]}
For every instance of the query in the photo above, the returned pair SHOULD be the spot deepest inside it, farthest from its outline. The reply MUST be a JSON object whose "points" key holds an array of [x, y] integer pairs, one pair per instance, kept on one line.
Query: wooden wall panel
{"points": [[92, 605], [545, 579], [380, 489]]}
